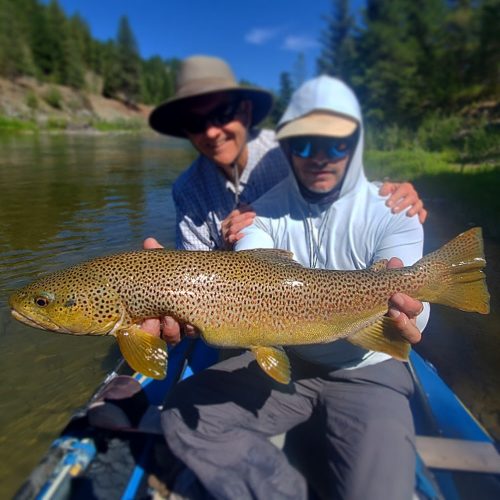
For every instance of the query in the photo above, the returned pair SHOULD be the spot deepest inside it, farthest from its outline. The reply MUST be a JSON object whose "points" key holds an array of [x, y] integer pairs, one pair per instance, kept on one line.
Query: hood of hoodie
{"points": [[329, 94]]}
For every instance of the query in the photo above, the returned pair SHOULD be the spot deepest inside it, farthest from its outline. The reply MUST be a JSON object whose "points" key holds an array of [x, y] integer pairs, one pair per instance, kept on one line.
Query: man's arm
{"points": [[188, 234], [402, 196]]}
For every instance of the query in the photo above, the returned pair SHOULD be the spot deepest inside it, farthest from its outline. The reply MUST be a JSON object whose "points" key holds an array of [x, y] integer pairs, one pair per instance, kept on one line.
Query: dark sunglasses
{"points": [[308, 147], [220, 116]]}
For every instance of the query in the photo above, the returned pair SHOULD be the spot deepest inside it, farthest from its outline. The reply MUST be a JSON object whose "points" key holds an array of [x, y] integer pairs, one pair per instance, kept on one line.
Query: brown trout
{"points": [[256, 299]]}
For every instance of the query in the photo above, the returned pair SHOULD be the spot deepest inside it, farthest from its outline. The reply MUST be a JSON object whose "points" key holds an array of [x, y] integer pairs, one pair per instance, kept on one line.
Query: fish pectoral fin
{"points": [[144, 353], [274, 362], [382, 336]]}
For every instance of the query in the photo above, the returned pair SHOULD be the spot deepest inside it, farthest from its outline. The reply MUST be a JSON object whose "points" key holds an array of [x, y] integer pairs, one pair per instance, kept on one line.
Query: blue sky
{"points": [[259, 38]]}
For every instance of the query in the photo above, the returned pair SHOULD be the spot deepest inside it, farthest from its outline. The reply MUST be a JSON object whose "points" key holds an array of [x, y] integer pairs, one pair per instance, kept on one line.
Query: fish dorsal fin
{"points": [[380, 265], [273, 255], [382, 336], [274, 362], [144, 353]]}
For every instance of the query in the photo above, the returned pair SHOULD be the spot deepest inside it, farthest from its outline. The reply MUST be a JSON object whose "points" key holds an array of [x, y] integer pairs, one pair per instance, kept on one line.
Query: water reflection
{"points": [[65, 199]]}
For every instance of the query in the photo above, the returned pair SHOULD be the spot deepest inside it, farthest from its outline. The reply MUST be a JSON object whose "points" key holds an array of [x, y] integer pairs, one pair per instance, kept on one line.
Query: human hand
{"points": [[402, 196], [404, 310], [166, 327], [235, 222]]}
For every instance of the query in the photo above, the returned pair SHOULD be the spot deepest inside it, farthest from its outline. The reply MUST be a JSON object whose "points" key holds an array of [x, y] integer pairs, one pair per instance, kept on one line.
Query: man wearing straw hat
{"points": [[237, 163]]}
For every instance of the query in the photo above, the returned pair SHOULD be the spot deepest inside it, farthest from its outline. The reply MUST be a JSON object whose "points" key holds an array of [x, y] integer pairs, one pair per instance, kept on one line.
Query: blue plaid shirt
{"points": [[204, 197]]}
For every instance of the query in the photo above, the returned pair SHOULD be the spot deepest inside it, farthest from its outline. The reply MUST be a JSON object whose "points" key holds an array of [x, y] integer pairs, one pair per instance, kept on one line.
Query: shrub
{"points": [[53, 98]]}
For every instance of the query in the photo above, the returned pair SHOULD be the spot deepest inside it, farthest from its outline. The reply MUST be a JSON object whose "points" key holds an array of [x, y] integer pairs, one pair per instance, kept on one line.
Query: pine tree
{"points": [[156, 81], [15, 50], [128, 62], [283, 98], [389, 83], [338, 56]]}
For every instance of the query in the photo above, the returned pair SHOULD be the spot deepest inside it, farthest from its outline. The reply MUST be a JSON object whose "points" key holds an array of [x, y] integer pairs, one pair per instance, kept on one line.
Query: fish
{"points": [[258, 299]]}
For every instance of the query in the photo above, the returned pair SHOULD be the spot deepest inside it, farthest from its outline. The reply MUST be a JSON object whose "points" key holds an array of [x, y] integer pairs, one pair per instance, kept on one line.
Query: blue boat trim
{"points": [[437, 412]]}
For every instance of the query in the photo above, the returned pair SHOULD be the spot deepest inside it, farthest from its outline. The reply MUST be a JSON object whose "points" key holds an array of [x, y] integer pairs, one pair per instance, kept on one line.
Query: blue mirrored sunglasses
{"points": [[220, 116], [308, 147]]}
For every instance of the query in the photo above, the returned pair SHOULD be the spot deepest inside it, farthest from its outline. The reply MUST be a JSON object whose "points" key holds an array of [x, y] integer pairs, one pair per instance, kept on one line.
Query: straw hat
{"points": [[204, 75]]}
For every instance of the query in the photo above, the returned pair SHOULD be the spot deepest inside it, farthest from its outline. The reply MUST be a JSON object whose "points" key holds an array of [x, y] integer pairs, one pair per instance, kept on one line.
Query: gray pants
{"points": [[218, 423]]}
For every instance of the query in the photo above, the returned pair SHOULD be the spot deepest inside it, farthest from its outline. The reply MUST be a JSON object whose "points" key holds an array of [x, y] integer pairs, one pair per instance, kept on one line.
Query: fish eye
{"points": [[42, 300]]}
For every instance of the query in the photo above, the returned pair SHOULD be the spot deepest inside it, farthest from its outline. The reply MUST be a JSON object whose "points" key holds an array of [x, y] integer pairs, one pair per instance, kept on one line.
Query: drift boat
{"points": [[113, 446]]}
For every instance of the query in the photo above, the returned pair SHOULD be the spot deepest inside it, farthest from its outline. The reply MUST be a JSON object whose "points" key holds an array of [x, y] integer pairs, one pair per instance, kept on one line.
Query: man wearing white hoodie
{"points": [[329, 215]]}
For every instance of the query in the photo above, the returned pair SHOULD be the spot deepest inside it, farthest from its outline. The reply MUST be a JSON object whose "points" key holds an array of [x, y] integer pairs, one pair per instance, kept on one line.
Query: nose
{"points": [[212, 131], [320, 157]]}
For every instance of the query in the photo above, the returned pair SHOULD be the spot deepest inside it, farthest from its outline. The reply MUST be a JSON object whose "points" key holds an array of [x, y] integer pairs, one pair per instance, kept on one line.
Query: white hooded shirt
{"points": [[353, 232]]}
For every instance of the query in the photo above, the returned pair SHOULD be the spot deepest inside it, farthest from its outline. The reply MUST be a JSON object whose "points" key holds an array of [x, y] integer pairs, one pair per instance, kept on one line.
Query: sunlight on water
{"points": [[66, 199]]}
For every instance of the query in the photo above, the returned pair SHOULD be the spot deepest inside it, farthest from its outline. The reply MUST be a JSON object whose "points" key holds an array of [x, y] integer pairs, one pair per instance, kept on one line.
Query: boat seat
{"points": [[458, 454], [123, 406]]}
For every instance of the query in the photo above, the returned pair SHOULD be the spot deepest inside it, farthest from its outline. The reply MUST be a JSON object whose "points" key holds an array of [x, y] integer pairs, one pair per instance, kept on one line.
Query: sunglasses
{"points": [[308, 147], [220, 116]]}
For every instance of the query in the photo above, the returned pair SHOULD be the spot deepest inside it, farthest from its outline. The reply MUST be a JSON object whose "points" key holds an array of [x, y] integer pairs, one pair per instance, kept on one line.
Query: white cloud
{"points": [[260, 36], [299, 43]]}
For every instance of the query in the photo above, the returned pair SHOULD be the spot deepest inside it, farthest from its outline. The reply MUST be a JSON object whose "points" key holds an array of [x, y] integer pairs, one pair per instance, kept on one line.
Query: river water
{"points": [[68, 198]]}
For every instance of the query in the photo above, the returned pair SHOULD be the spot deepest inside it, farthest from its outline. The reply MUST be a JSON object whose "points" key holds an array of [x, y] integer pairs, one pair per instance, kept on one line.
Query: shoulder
{"points": [[277, 196], [262, 138], [191, 179]]}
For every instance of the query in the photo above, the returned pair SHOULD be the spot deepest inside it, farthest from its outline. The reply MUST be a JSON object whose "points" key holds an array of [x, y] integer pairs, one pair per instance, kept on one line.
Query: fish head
{"points": [[54, 304]]}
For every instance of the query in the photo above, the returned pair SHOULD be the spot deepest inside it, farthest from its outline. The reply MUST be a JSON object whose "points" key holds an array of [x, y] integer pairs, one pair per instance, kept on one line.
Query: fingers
{"points": [[394, 262], [407, 328], [152, 326], [150, 243], [402, 196], [387, 188], [404, 310], [235, 222], [418, 209], [170, 330]]}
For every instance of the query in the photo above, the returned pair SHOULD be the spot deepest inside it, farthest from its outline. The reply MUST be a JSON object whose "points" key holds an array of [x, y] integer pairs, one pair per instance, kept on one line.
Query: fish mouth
{"points": [[49, 325]]}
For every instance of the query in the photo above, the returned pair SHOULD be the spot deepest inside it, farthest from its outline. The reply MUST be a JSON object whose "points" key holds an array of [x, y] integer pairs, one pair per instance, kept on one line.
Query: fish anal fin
{"points": [[274, 362], [382, 336], [144, 353]]}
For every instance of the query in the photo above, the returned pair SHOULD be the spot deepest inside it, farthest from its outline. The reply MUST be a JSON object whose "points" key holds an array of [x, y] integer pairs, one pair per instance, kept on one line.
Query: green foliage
{"points": [[53, 98], [283, 98], [9, 124], [156, 81], [408, 59], [60, 49], [437, 132], [118, 125], [32, 101], [338, 52]]}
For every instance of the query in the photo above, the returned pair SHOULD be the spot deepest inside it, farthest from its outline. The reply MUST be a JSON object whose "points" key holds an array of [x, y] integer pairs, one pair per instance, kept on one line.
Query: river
{"points": [[66, 198]]}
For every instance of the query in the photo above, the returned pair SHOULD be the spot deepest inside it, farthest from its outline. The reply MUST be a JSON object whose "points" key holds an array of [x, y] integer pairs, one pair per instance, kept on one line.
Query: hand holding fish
{"points": [[404, 310], [166, 327]]}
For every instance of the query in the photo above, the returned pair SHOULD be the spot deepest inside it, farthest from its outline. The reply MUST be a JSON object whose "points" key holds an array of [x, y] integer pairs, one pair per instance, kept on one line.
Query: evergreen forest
{"points": [[422, 68]]}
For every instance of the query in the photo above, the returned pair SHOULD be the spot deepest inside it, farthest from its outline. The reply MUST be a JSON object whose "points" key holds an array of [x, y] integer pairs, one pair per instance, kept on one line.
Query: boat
{"points": [[113, 446]]}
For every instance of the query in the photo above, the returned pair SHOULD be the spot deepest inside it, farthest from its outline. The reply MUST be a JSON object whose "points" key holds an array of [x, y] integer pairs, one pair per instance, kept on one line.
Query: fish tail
{"points": [[455, 276]]}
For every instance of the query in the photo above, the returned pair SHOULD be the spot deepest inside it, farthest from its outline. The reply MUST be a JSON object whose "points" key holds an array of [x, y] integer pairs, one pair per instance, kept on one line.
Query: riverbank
{"points": [[468, 193], [27, 105]]}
